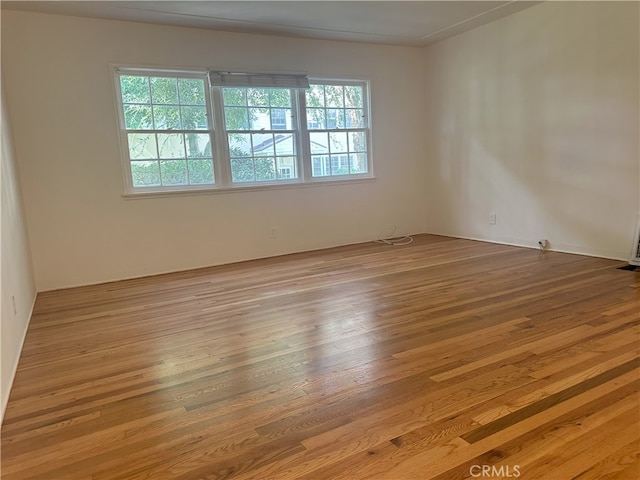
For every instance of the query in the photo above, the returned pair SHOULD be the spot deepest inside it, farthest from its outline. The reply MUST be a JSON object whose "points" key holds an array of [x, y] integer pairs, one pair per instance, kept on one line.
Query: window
{"points": [[285, 172], [336, 120], [279, 119], [259, 133], [167, 131], [184, 131]]}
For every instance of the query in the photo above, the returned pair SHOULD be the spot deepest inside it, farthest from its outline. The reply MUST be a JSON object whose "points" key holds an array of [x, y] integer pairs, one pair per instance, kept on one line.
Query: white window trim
{"points": [[220, 149], [367, 111], [129, 189], [226, 181]]}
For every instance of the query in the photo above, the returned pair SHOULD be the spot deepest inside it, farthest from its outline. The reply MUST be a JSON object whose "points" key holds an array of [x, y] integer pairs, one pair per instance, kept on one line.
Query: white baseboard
{"points": [[7, 393], [561, 249]]}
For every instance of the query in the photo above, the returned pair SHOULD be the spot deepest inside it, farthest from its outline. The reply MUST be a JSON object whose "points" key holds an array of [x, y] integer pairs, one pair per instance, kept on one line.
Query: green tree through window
{"points": [[152, 105]]}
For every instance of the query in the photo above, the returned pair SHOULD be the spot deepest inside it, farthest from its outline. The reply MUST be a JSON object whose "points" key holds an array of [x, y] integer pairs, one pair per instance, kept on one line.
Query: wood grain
{"points": [[422, 361]]}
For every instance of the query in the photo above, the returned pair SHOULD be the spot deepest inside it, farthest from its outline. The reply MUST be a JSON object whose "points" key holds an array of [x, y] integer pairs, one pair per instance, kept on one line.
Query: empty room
{"points": [[320, 240]]}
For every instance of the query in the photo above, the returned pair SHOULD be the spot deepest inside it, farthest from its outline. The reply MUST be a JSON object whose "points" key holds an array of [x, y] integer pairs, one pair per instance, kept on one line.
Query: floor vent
{"points": [[633, 268]]}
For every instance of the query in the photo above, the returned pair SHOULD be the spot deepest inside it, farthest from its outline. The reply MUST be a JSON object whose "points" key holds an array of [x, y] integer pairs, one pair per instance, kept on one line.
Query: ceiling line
{"points": [[467, 20], [252, 22]]}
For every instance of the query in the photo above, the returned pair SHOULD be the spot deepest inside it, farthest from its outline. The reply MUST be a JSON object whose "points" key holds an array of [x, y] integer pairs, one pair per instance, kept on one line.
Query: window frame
{"points": [[129, 188], [366, 107], [222, 135], [217, 132]]}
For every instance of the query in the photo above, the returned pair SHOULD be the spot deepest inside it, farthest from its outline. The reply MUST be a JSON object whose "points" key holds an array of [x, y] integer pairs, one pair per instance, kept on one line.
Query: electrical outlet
{"points": [[13, 301], [492, 219], [273, 232]]}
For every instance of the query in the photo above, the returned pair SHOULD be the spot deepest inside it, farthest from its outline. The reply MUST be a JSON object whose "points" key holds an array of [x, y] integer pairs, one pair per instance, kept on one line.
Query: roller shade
{"points": [[263, 80]]}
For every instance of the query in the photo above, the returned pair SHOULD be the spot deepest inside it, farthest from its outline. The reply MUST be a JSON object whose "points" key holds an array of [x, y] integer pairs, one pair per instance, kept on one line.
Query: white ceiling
{"points": [[411, 23]]}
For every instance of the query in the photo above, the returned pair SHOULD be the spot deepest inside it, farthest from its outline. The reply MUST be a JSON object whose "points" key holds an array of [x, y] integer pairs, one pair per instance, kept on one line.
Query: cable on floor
{"points": [[397, 241]]}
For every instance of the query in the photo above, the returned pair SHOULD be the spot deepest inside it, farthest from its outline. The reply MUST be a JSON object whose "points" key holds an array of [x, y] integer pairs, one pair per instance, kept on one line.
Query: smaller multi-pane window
{"points": [[279, 118], [167, 130], [260, 134], [337, 129]]}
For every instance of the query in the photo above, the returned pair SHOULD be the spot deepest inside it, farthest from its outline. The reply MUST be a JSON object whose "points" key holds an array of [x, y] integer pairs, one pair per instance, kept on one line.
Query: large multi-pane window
{"points": [[182, 133], [167, 127], [336, 122], [260, 133]]}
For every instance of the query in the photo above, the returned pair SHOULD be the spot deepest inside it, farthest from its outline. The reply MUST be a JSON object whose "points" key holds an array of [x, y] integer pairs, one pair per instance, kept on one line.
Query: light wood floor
{"points": [[429, 361]]}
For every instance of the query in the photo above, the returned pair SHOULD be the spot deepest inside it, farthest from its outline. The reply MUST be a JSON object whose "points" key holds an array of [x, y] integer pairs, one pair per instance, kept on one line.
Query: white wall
{"points": [[535, 117], [59, 86], [17, 286]]}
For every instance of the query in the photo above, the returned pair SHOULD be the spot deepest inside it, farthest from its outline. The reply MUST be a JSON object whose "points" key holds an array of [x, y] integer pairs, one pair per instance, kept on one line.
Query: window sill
{"points": [[244, 188]]}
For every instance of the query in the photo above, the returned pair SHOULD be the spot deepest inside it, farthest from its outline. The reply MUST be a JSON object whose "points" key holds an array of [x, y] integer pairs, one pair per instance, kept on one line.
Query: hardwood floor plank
{"points": [[547, 401], [613, 466], [363, 361], [567, 385], [460, 461], [551, 435], [584, 452]]}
